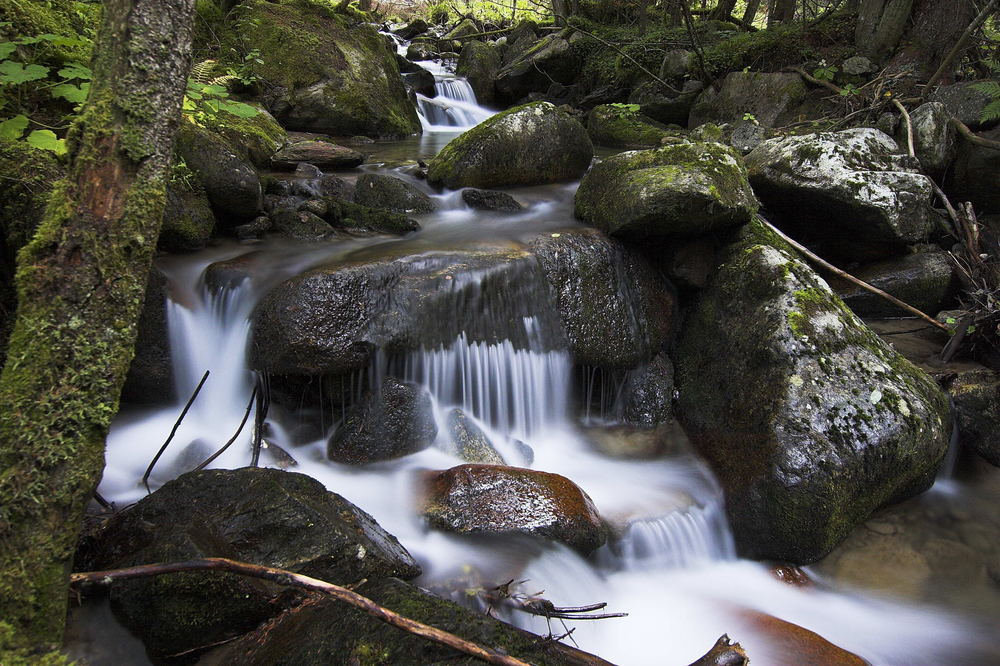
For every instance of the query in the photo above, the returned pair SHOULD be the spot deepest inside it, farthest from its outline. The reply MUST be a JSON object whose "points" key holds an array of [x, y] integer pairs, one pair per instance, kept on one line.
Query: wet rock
{"points": [[412, 29], [933, 137], [850, 191], [772, 98], [725, 652], [392, 194], [964, 102], [330, 320], [421, 82], [496, 500], [471, 443], [327, 74], [254, 138], [500, 202], [300, 225], [621, 126], [188, 221], [889, 565], [666, 107], [405, 66], [231, 183], [392, 422], [261, 516], [321, 153], [347, 215], [254, 229], [334, 186], [809, 419], [975, 176], [616, 309], [325, 631], [479, 63], [317, 207], [418, 51], [690, 264], [527, 145], [977, 405], [649, 393], [679, 190], [536, 67], [150, 378], [627, 442], [925, 280], [786, 644]]}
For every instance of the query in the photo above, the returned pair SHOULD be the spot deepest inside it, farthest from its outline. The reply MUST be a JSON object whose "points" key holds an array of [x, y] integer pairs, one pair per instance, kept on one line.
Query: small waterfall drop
{"points": [[453, 109]]}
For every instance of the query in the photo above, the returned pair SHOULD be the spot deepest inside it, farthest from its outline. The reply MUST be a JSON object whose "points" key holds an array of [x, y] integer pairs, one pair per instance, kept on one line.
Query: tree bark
{"points": [[935, 28], [780, 11], [880, 25], [751, 12], [723, 10], [80, 284]]}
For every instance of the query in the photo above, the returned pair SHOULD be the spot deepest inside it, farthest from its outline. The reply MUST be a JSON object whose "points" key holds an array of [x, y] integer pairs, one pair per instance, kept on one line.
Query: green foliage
{"points": [[825, 72], [991, 112], [203, 99], [625, 108]]}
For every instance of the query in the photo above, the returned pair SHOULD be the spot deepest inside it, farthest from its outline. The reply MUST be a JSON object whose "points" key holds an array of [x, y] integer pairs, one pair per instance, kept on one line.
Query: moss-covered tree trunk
{"points": [[80, 288]]}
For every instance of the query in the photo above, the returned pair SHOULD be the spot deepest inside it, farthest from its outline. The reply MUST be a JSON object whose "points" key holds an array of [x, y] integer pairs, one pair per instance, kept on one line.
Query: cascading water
{"points": [[453, 108]]}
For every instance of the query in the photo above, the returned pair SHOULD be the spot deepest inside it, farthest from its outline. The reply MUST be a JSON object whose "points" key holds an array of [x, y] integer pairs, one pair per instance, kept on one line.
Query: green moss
{"points": [[68, 18], [621, 126], [256, 138]]}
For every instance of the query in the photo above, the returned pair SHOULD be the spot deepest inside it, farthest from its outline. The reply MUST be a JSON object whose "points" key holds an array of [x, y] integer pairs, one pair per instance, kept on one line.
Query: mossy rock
{"points": [[150, 378], [809, 419], [624, 126], [76, 20], [771, 98], [391, 194], [527, 145], [230, 181], [534, 69], [925, 280], [684, 189], [324, 631], [849, 192], [324, 74], [479, 63], [256, 138], [188, 221], [464, 28]]}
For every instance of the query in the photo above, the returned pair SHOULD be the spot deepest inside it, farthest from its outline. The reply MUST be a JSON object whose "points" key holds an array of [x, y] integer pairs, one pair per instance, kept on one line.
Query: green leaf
{"points": [[13, 128], [215, 91], [6, 48], [15, 72], [47, 140], [238, 109], [71, 92], [48, 37], [76, 71]]}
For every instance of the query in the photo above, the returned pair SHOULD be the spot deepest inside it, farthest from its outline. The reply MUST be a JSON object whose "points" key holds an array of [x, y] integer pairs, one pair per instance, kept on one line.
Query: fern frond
{"points": [[991, 88], [223, 80], [991, 112], [201, 72]]}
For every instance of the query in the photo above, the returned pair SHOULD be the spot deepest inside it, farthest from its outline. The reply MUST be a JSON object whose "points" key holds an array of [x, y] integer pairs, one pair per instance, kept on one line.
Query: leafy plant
{"points": [[992, 88], [750, 118], [207, 94], [625, 108], [825, 72], [849, 89]]}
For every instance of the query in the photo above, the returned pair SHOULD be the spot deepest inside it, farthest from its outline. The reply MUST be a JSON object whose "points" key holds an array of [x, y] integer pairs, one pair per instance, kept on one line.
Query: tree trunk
{"points": [[752, 7], [723, 10], [935, 28], [780, 11], [80, 286], [880, 25]]}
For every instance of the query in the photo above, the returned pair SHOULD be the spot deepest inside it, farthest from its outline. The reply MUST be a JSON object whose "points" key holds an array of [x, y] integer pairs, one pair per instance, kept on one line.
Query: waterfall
{"points": [[454, 108]]}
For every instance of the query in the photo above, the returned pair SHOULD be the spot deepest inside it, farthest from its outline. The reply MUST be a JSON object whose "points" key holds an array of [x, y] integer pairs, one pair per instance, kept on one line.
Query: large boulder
{"points": [[261, 516], [325, 75], [527, 145], [230, 181], [925, 280], [809, 419], [479, 63], [933, 137], [666, 107], [326, 631], [850, 192], [255, 137], [392, 422], [617, 310], [188, 221], [965, 102], [772, 99], [623, 126], [685, 189], [498, 500], [392, 194], [332, 319], [976, 175], [977, 405], [536, 67]]}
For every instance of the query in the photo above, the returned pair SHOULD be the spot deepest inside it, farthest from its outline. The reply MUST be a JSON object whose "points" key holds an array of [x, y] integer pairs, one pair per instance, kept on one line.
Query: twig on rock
{"points": [[284, 577], [909, 126]]}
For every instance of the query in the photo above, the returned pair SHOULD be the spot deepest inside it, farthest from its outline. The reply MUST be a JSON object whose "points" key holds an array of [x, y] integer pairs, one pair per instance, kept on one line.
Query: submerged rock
{"points": [[809, 419], [500, 202], [680, 190], [527, 145], [497, 500], [392, 194], [849, 191], [392, 422], [326, 631], [261, 516], [617, 309], [326, 74], [622, 126]]}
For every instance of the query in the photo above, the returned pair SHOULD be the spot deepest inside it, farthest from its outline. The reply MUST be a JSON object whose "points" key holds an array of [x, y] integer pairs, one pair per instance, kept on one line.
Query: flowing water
{"points": [[674, 569]]}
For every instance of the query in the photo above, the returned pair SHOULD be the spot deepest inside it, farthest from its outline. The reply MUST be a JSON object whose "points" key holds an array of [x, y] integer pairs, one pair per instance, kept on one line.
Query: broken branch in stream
{"points": [[173, 431], [284, 577], [815, 258], [246, 415], [535, 604]]}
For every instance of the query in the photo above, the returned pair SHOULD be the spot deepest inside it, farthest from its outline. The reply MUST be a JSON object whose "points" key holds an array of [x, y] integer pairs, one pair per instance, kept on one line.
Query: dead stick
{"points": [[952, 213], [960, 44], [812, 79], [173, 431], [850, 278], [909, 127], [964, 130], [246, 415], [284, 577]]}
